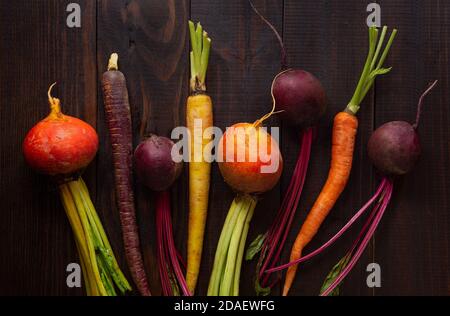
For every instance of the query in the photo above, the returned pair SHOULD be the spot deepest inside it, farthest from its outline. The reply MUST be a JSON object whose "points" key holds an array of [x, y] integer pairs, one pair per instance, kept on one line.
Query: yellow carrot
{"points": [[199, 116]]}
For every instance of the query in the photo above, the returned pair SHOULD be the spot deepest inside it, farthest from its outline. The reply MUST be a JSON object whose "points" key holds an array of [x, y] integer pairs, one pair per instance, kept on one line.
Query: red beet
{"points": [[156, 169], [394, 148], [300, 100], [300, 97], [154, 165], [297, 94]]}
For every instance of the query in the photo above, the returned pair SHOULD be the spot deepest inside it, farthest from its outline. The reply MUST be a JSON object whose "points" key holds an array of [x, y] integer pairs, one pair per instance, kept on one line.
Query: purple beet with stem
{"points": [[156, 169], [300, 100]]}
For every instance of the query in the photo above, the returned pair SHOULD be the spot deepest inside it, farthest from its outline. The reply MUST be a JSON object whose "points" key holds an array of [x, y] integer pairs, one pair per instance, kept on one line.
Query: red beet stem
{"points": [[387, 194], [419, 105], [161, 253], [168, 255], [278, 36], [173, 252], [381, 188], [278, 232], [367, 223], [270, 235], [278, 245], [181, 260]]}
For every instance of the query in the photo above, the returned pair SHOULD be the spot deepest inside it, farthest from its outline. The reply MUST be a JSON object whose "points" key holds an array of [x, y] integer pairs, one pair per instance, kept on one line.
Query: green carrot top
{"points": [[372, 67], [201, 46]]}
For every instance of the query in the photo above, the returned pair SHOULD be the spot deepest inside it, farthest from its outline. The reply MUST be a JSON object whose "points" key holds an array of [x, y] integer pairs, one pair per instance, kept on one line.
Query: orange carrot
{"points": [[344, 133], [343, 142]]}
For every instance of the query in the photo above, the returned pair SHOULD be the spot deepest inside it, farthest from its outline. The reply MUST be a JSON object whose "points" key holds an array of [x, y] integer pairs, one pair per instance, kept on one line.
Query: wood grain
{"points": [[327, 38], [245, 58], [151, 40], [36, 244], [412, 243]]}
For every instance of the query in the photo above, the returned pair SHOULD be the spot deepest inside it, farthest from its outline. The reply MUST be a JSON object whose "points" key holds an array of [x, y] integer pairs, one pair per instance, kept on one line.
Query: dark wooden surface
{"points": [[327, 38]]}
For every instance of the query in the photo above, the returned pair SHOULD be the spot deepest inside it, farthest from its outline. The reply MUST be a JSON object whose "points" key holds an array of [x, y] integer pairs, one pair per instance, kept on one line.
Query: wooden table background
{"points": [[327, 38]]}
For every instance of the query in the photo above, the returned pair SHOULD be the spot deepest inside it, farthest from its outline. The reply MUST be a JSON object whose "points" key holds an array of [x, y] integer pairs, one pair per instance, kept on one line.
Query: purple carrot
{"points": [[118, 117]]}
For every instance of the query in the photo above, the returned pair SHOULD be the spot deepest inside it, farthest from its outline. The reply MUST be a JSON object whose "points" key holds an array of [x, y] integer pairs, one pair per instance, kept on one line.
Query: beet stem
{"points": [[222, 247], [337, 235], [281, 226], [169, 263], [161, 255], [279, 223], [259, 121], [368, 221], [365, 241], [284, 213], [419, 105], [55, 104], [172, 250], [278, 36]]}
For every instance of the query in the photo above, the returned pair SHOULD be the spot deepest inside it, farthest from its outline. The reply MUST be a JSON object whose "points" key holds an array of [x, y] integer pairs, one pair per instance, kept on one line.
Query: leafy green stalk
{"points": [[379, 70], [103, 242], [173, 282], [105, 276], [237, 273], [334, 273], [80, 239], [373, 66], [88, 234], [199, 56], [261, 291], [87, 283], [228, 274], [255, 247], [222, 249], [100, 268]]}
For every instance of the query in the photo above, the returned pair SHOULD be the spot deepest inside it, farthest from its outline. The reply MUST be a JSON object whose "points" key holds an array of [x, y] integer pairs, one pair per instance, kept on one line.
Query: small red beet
{"points": [[300, 97], [394, 148], [154, 165]]}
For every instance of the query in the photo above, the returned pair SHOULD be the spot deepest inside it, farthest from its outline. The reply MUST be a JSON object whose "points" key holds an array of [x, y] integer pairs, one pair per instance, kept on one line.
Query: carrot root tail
{"points": [[291, 272]]}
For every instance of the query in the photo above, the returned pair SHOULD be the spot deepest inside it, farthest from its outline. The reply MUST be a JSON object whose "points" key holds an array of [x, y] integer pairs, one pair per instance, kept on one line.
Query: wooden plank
{"points": [[38, 49], [329, 39], [245, 58], [151, 39], [412, 243]]}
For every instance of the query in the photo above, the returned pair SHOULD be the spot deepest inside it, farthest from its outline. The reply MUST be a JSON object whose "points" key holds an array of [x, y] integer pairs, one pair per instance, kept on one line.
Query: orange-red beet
{"points": [[60, 144]]}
